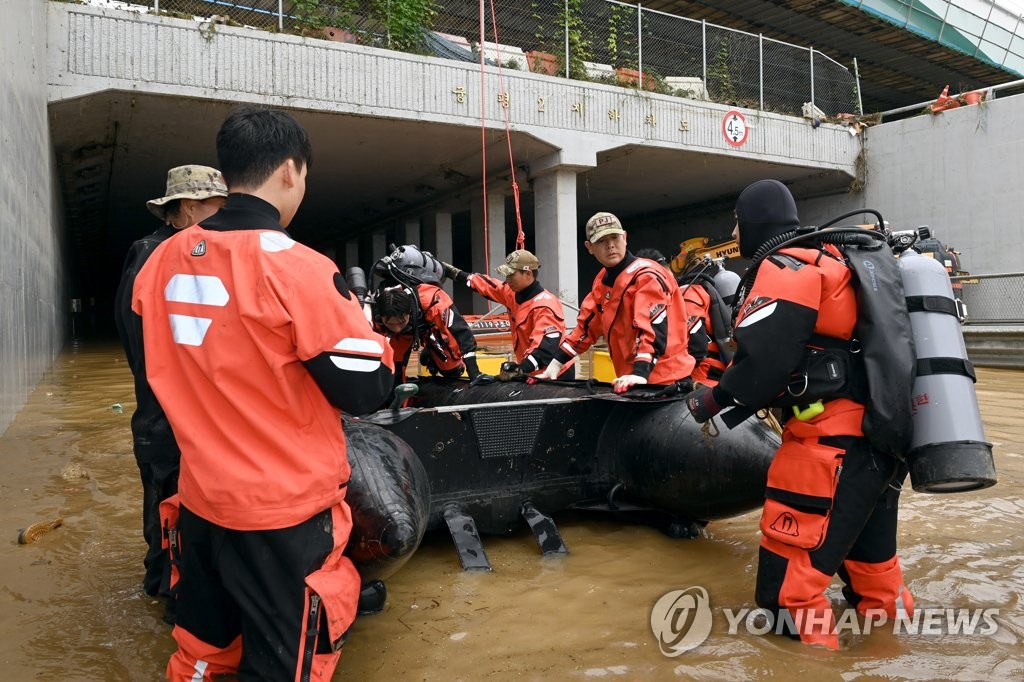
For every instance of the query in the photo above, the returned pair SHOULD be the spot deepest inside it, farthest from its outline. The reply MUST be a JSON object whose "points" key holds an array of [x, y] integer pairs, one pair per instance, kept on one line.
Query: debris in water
{"points": [[73, 471], [37, 530], [117, 408]]}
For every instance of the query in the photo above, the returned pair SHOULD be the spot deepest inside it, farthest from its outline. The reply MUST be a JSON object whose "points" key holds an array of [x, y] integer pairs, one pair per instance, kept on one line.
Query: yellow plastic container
{"points": [[602, 367], [489, 364]]}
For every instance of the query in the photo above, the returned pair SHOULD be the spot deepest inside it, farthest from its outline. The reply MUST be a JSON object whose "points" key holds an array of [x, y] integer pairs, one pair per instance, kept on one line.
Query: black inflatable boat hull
{"points": [[489, 449]]}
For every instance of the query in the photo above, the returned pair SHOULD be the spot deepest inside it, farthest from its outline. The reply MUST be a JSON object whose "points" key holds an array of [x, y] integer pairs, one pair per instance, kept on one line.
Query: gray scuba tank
{"points": [[948, 452], [726, 282]]}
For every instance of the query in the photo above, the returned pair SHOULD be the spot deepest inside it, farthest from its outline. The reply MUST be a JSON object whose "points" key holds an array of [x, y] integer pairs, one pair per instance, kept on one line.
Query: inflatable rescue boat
{"points": [[485, 459]]}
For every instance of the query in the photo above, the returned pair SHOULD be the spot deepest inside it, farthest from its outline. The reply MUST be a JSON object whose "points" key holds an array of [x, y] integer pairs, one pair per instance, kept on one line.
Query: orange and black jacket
{"points": [[698, 323], [707, 324], [152, 436], [253, 344], [439, 330], [538, 322], [639, 310], [801, 301]]}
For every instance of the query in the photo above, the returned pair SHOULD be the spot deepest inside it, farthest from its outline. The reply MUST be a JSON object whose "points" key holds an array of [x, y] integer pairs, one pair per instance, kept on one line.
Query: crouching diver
{"points": [[423, 317], [831, 499]]}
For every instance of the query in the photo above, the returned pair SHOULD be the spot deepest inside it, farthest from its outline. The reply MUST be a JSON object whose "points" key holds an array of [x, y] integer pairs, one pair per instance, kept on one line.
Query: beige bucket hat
{"points": [[189, 182], [518, 260]]}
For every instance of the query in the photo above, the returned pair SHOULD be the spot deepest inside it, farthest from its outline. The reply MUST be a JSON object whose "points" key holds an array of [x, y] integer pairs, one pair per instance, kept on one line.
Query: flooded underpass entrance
{"points": [[72, 607]]}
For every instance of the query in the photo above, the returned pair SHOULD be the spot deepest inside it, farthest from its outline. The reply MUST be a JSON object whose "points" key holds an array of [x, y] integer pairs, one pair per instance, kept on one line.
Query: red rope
{"points": [[483, 136], [520, 235]]}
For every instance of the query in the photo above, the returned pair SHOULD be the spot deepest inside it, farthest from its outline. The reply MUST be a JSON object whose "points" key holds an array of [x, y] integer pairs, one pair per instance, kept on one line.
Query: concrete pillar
{"points": [[379, 241], [351, 254], [411, 232], [556, 236], [493, 246], [437, 233]]}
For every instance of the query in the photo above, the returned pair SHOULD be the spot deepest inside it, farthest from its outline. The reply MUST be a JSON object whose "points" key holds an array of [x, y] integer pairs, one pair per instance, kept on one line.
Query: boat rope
{"points": [[520, 235], [483, 134]]}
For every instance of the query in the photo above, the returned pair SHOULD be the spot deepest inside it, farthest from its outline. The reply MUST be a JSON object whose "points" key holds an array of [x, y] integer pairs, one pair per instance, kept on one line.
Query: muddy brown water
{"points": [[71, 607]]}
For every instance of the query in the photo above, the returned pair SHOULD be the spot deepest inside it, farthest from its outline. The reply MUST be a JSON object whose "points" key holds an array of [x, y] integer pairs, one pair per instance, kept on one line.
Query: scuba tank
{"points": [[720, 312], [726, 282], [948, 452]]}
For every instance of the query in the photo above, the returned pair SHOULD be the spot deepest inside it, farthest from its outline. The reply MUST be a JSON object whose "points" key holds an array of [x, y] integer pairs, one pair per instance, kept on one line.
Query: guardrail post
{"points": [[856, 81], [640, 44], [704, 54], [812, 78], [760, 66], [566, 38]]}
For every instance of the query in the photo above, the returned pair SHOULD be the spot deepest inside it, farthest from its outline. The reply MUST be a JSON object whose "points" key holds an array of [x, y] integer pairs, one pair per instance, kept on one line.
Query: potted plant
{"points": [[550, 36], [543, 62], [342, 22], [543, 59], [624, 48]]}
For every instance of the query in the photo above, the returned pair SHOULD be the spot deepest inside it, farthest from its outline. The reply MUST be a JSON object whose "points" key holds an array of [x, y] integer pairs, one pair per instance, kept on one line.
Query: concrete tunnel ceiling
{"points": [[113, 150]]}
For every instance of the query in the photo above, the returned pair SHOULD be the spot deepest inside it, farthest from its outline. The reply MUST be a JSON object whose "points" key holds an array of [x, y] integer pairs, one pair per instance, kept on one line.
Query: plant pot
{"points": [[631, 77], [542, 62], [973, 97], [340, 35]]}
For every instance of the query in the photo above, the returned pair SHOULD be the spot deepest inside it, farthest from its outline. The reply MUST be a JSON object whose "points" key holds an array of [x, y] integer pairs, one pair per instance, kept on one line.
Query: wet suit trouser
{"points": [[265, 604], [829, 509], [159, 481]]}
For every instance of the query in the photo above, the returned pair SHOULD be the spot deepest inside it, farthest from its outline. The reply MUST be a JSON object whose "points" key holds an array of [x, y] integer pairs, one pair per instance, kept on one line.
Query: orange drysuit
{"points": [[253, 343], [442, 333], [537, 319], [637, 307], [829, 504]]}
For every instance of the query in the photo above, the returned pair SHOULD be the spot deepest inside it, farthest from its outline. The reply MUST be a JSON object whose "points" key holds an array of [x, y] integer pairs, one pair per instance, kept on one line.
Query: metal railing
{"points": [[597, 40], [992, 299]]}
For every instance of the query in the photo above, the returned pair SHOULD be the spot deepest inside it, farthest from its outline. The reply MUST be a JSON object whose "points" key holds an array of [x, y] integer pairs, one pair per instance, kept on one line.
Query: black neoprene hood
{"points": [[765, 209]]}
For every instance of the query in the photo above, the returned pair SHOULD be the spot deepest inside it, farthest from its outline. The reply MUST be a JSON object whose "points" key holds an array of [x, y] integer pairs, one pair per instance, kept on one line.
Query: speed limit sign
{"points": [[734, 128]]}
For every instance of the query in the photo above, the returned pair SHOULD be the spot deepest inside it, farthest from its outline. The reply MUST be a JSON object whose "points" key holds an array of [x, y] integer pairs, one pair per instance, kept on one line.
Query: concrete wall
{"points": [[960, 172], [31, 276]]}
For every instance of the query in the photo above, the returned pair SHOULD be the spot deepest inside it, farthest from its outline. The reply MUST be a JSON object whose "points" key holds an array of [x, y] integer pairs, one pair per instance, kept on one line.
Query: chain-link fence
{"points": [[992, 299], [596, 40]]}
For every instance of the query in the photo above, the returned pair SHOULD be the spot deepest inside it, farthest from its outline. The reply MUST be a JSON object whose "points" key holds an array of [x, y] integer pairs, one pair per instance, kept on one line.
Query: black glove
{"points": [[450, 271], [482, 379], [472, 369], [702, 404]]}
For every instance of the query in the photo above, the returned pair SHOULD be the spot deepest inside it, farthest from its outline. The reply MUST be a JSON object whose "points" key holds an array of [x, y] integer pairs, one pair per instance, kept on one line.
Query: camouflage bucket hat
{"points": [[189, 182], [518, 260]]}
